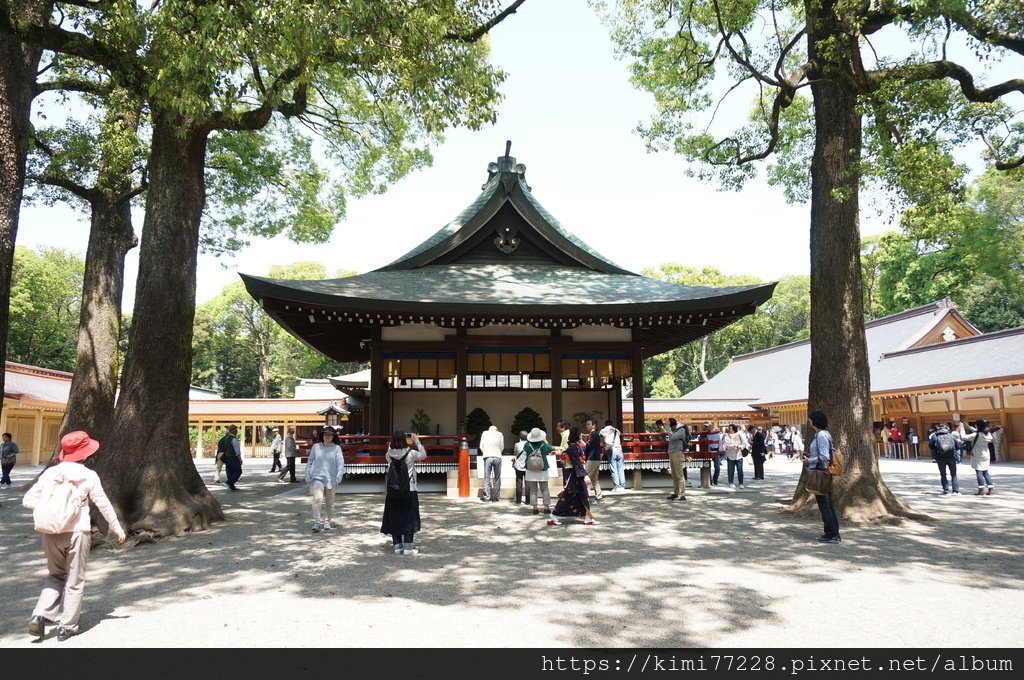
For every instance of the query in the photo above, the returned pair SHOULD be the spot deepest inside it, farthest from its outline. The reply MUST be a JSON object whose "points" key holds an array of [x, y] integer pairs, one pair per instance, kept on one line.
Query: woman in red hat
{"points": [[67, 552]]}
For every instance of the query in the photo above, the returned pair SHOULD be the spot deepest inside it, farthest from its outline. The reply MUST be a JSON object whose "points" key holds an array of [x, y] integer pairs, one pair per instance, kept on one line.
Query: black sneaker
{"points": [[64, 633], [37, 626], [830, 539], [673, 497]]}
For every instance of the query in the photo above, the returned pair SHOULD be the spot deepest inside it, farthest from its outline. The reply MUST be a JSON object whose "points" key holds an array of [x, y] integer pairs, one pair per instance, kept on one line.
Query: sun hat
{"points": [[536, 435], [77, 446]]}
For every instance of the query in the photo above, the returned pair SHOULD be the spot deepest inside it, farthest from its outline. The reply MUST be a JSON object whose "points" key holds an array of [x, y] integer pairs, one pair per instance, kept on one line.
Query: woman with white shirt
{"points": [[325, 467], [979, 441], [733, 443], [402, 515]]}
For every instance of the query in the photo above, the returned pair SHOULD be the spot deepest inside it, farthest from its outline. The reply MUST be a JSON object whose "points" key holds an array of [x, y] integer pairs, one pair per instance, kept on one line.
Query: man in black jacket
{"points": [[945, 448]]}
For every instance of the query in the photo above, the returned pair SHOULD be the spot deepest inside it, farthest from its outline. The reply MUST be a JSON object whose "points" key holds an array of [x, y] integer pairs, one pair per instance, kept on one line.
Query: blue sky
{"points": [[570, 112]]}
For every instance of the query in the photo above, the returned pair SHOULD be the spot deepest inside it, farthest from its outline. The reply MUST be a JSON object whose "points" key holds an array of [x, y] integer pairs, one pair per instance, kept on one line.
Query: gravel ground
{"points": [[723, 569]]}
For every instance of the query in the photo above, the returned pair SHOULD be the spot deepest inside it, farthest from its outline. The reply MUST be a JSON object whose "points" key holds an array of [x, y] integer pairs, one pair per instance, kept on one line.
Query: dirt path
{"points": [[722, 569]]}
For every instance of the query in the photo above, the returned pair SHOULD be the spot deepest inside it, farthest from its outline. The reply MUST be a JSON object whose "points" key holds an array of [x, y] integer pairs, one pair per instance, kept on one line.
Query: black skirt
{"points": [[401, 516]]}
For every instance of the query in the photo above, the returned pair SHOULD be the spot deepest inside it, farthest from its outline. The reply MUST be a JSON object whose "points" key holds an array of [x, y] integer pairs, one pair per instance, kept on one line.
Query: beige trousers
{"points": [[676, 461], [220, 466], [322, 496], [61, 599], [594, 471]]}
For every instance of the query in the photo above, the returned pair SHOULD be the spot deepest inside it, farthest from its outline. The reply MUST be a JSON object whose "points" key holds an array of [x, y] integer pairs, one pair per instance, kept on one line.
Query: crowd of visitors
{"points": [[579, 455]]}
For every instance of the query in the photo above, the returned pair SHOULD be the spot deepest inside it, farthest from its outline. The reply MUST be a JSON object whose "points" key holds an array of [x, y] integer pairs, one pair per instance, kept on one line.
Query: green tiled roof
{"points": [[507, 286], [496, 184], [557, 226], [453, 227]]}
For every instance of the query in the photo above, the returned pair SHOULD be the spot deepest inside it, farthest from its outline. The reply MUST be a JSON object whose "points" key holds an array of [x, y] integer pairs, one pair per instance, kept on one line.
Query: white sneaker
{"points": [[411, 550], [398, 548], [327, 526], [742, 488], [317, 527], [553, 521]]}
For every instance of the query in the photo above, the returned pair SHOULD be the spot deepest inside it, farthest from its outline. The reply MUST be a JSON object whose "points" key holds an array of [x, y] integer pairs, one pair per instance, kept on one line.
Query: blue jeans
{"points": [[717, 462], [617, 468], [983, 478], [737, 466], [828, 514], [952, 474]]}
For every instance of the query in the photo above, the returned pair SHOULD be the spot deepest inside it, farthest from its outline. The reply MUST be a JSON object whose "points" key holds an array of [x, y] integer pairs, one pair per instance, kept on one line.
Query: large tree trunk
{"points": [[146, 462], [839, 381], [94, 385], [18, 66], [91, 400]]}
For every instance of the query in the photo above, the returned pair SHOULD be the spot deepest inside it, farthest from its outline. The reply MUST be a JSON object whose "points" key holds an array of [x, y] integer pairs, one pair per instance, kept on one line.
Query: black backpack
{"points": [[945, 443], [224, 446], [397, 483]]}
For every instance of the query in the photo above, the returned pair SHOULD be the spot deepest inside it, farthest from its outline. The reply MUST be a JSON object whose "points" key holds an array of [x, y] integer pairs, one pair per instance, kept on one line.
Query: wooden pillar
{"points": [[378, 390], [199, 440], [556, 380], [639, 417], [3, 416], [37, 438], [461, 368]]}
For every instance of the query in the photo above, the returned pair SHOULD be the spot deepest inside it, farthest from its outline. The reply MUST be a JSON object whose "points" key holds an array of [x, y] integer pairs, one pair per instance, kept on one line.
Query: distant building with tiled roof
{"points": [[927, 364], [35, 398]]}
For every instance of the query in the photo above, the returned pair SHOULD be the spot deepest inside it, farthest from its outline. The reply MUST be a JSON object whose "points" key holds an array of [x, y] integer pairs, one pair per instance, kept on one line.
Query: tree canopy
{"points": [[46, 294], [841, 95], [240, 351]]}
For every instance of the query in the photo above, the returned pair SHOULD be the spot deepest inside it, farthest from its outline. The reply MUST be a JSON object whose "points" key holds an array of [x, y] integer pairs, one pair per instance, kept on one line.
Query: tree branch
{"points": [[88, 195], [782, 100], [255, 119], [937, 70], [888, 13], [1000, 164], [73, 85], [482, 30], [49, 37], [988, 34]]}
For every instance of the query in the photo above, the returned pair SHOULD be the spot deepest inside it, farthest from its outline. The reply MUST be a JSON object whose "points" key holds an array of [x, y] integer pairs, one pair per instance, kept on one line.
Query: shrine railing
{"points": [[364, 454]]}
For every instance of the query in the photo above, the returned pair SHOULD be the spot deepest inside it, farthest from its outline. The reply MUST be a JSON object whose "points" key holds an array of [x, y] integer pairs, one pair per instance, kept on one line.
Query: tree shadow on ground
{"points": [[654, 573]]}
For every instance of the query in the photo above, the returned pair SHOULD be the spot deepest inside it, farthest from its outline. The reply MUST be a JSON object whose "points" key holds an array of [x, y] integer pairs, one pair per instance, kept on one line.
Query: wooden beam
{"points": [[639, 417]]}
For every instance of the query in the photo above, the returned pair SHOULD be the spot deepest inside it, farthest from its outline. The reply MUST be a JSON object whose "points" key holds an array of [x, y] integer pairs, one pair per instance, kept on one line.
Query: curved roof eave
{"points": [[496, 301]]}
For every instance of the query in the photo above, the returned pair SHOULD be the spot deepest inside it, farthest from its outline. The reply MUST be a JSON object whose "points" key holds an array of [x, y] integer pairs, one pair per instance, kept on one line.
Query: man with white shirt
{"points": [[492, 443]]}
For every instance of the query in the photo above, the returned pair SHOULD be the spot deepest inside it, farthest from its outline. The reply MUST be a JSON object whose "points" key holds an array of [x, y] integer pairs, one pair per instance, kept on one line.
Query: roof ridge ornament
{"points": [[506, 165], [507, 239]]}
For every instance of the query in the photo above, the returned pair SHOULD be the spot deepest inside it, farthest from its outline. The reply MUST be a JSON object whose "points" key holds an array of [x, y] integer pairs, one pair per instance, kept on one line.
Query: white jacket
{"points": [[977, 443], [492, 442], [325, 464], [88, 482]]}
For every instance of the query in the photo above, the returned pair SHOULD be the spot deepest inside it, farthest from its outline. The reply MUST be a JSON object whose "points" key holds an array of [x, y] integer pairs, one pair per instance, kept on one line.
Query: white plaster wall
{"points": [[988, 399], [574, 402], [1014, 396], [599, 333], [502, 407], [424, 332], [439, 405]]}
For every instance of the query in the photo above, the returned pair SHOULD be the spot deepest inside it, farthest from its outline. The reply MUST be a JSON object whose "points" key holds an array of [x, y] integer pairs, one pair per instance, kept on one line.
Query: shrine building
{"points": [[501, 309]]}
